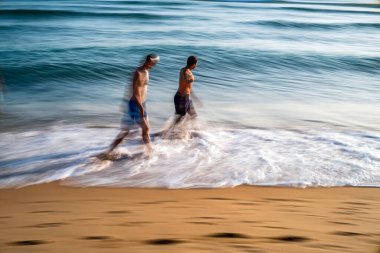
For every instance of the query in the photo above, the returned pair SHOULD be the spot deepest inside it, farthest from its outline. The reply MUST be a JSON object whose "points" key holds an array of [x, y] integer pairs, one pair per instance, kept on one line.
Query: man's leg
{"points": [[119, 138], [191, 110], [180, 109], [178, 118], [181, 106], [144, 124]]}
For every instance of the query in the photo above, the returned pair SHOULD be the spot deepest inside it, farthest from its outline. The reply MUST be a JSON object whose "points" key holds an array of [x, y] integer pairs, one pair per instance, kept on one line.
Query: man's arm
{"points": [[196, 98], [189, 79], [189, 76]]}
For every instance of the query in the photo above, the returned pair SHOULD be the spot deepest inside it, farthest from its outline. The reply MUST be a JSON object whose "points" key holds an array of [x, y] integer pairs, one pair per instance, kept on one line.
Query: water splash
{"points": [[205, 157]]}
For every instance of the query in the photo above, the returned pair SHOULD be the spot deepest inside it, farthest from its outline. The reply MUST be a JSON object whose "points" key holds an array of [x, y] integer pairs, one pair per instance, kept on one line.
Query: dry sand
{"points": [[54, 218]]}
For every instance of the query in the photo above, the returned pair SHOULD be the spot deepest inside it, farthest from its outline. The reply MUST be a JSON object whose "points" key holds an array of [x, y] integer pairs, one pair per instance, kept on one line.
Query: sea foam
{"points": [[204, 156]]}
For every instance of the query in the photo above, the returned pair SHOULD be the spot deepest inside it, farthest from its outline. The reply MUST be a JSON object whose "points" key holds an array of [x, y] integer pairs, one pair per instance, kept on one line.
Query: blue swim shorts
{"points": [[132, 117]]}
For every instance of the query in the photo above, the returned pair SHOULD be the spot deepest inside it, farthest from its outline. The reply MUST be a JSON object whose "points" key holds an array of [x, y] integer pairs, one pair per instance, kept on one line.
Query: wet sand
{"points": [[55, 218]]}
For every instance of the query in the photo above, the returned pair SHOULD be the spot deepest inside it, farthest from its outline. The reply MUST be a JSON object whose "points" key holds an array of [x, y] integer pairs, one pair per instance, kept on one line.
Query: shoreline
{"points": [[55, 218]]}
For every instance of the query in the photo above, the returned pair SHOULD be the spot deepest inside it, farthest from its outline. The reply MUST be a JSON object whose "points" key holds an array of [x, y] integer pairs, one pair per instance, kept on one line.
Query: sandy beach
{"points": [[56, 218]]}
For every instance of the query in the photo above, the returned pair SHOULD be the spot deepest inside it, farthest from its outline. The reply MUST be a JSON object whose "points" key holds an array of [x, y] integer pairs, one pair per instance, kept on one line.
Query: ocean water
{"points": [[290, 92]]}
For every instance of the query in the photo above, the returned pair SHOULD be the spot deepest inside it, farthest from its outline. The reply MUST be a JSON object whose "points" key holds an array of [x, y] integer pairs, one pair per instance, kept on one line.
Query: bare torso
{"points": [[140, 85], [186, 79]]}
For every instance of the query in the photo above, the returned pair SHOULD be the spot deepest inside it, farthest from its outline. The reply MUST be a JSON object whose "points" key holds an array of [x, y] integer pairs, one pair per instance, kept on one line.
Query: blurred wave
{"points": [[313, 26], [325, 10], [34, 14], [261, 61], [213, 157]]}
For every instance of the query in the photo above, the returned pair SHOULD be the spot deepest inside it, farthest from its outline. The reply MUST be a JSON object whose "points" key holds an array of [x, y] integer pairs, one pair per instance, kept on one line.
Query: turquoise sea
{"points": [[290, 91]]}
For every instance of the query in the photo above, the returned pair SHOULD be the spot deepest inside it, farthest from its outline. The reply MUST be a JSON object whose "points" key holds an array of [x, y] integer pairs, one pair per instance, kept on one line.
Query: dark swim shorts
{"points": [[183, 104], [132, 117]]}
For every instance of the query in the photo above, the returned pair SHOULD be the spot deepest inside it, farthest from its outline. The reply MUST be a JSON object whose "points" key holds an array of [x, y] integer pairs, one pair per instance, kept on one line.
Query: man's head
{"points": [[192, 62], [151, 60]]}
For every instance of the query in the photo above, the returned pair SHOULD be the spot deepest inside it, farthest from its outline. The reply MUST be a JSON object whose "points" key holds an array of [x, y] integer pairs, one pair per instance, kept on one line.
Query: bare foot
{"points": [[105, 156]]}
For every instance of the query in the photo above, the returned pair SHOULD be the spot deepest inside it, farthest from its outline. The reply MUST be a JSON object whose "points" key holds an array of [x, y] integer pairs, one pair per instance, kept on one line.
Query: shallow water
{"points": [[302, 74], [209, 156]]}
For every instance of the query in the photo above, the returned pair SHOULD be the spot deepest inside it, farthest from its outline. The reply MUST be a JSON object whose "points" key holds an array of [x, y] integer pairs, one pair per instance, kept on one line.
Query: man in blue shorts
{"points": [[134, 109]]}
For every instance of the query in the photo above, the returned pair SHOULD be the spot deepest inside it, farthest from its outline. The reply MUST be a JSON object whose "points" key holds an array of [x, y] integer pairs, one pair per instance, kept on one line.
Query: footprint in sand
{"points": [[163, 241], [28, 243], [97, 238], [229, 235], [291, 238], [49, 225]]}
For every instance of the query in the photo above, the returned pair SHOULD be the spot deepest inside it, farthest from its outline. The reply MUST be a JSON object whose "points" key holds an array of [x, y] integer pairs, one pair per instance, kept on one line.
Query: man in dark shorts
{"points": [[182, 102], [134, 108]]}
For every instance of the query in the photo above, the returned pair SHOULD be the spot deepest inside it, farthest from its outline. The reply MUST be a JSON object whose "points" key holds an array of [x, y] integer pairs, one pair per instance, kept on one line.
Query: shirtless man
{"points": [[135, 114], [183, 103]]}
